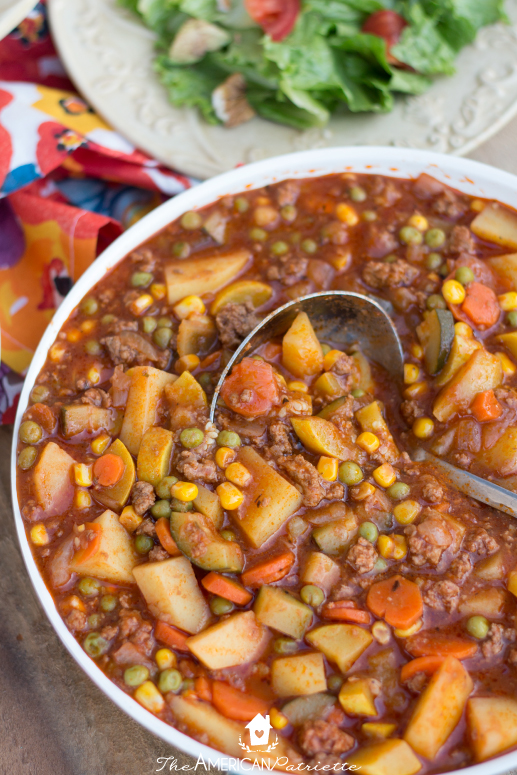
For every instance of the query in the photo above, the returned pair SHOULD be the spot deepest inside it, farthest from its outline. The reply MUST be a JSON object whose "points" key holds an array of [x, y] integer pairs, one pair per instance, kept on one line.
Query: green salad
{"points": [[297, 62]]}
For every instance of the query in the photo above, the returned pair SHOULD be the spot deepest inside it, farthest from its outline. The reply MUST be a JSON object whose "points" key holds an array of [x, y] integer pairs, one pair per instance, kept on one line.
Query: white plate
{"points": [[12, 13], [469, 176], [109, 56]]}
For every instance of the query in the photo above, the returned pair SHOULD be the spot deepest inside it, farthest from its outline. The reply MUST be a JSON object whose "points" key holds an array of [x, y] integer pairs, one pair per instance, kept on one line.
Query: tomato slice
{"points": [[385, 24], [276, 17]]}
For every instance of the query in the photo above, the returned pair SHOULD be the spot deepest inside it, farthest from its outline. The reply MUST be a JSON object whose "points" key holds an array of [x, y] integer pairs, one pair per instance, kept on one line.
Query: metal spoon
{"points": [[346, 318]]}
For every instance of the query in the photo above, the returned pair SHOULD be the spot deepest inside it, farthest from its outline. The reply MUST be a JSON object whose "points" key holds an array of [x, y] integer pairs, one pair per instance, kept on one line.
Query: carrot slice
{"points": [[108, 470], [485, 406], [163, 531], [251, 389], [230, 589], [210, 359], [236, 705], [268, 571], [172, 637], [340, 611], [89, 542], [429, 644], [203, 688], [427, 665], [481, 305], [397, 600], [43, 414]]}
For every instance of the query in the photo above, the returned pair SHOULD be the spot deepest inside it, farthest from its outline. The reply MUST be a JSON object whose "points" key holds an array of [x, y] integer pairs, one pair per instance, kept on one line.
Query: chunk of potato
{"points": [[276, 608], [498, 224], [461, 350], [300, 674], [115, 497], [483, 371], [52, 479], [208, 503], [241, 292], [172, 593], [147, 384], [439, 708], [377, 729], [501, 459], [323, 438], [488, 602], [391, 757], [269, 500], [321, 571], [341, 643], [506, 267], [509, 341], [491, 725], [492, 568], [370, 419], [512, 582], [196, 336], [114, 557], [197, 276], [234, 641], [301, 351], [187, 401], [154, 455], [356, 697], [334, 537]]}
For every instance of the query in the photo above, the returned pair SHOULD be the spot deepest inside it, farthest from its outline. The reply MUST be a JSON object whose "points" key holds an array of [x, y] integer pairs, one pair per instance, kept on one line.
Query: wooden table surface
{"points": [[53, 719]]}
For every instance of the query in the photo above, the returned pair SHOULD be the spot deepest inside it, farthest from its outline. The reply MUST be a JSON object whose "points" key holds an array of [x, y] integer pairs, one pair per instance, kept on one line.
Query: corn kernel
{"points": [[39, 535], [186, 363], [423, 428], [417, 351], [148, 695], [368, 441], [277, 719], [347, 214], [362, 491], [406, 512], [130, 519], [158, 291], [73, 335], [453, 292], [73, 603], [93, 375], [83, 475], [329, 385], [100, 444], [385, 546], [419, 222], [341, 262], [82, 499], [410, 630], [190, 305], [279, 378], [230, 497], [378, 729], [224, 456], [56, 353], [330, 359], [141, 304], [508, 301], [165, 659], [462, 329], [411, 373], [399, 549], [381, 631], [477, 205], [508, 365], [327, 467], [238, 474], [184, 491], [87, 326], [385, 475], [298, 387], [415, 390]]}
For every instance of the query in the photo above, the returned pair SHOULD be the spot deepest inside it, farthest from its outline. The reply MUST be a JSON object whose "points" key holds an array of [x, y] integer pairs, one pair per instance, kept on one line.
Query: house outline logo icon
{"points": [[259, 728]]}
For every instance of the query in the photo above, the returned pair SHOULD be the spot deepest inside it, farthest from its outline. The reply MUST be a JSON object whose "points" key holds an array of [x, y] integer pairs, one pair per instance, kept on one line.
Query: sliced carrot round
{"points": [[163, 531], [230, 589], [397, 600], [429, 644], [341, 612], [89, 542], [108, 470], [268, 571], [170, 636], [236, 705], [427, 665], [251, 389]]}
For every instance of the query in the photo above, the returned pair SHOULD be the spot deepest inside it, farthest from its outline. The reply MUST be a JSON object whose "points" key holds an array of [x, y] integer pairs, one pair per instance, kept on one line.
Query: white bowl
{"points": [[468, 176]]}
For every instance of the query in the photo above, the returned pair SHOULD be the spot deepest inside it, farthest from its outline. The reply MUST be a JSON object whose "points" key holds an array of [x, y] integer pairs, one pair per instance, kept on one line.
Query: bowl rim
{"points": [[471, 177]]}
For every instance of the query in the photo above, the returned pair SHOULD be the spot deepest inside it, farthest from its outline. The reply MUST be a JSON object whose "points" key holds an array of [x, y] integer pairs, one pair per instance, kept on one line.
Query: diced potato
{"points": [[334, 537], [391, 757], [483, 371], [509, 341], [208, 503], [154, 456], [310, 706], [52, 479], [172, 593], [377, 729], [301, 351], [492, 568], [356, 697], [370, 419], [269, 500], [512, 582], [187, 400], [365, 379], [439, 708], [321, 571], [115, 497], [323, 438], [506, 267], [498, 224], [492, 725], [196, 276], [300, 674], [147, 384], [234, 641], [461, 350], [240, 292], [114, 558], [276, 608], [488, 602], [341, 643], [502, 457], [196, 336]]}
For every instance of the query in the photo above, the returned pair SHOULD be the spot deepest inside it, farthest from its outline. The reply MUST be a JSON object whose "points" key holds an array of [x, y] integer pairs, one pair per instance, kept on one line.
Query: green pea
{"points": [[398, 491], [143, 544], [108, 603], [163, 488], [162, 337], [27, 458], [94, 621], [228, 535], [309, 246], [205, 380], [107, 319], [95, 645], [285, 646], [161, 509], [191, 437], [92, 347], [165, 322], [380, 565], [170, 681], [464, 275], [369, 216], [312, 595], [220, 606], [511, 318], [88, 587], [358, 392], [443, 270], [30, 432], [295, 238], [177, 505], [141, 279], [258, 234], [435, 301], [390, 259], [357, 194], [289, 213], [229, 439], [149, 324], [136, 675], [89, 306], [279, 248], [369, 531], [350, 473], [40, 394], [433, 261], [181, 250], [334, 683], [241, 205], [434, 238], [191, 221], [478, 627], [326, 348], [410, 235]]}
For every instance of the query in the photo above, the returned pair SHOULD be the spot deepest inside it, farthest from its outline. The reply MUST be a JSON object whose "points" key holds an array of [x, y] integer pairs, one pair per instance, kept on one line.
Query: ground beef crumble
{"points": [[442, 595], [323, 737], [432, 490], [234, 322], [362, 556], [142, 497], [379, 274], [312, 485], [288, 269], [478, 541], [428, 541]]}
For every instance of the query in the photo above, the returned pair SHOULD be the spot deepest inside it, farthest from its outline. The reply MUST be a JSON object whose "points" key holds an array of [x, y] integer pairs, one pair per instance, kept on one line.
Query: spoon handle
{"points": [[469, 484]]}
